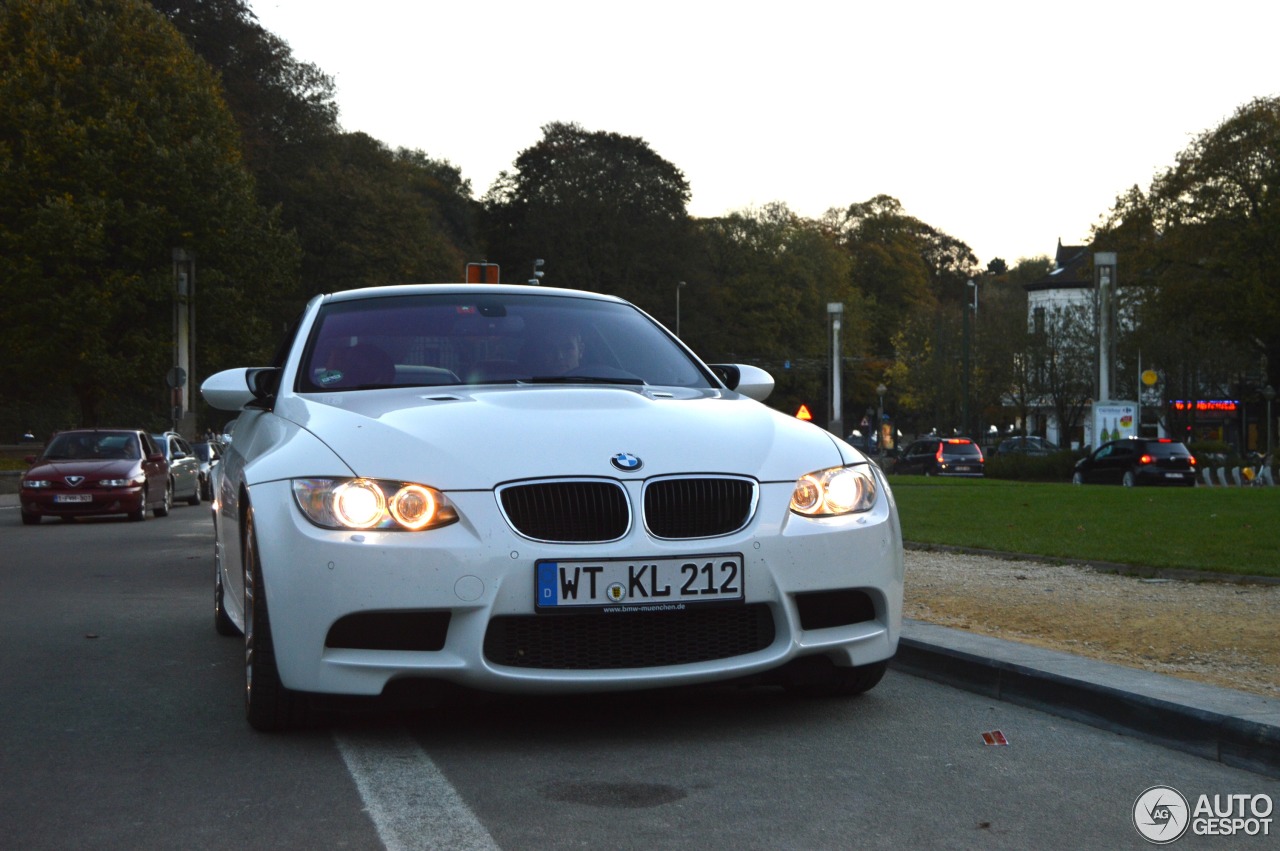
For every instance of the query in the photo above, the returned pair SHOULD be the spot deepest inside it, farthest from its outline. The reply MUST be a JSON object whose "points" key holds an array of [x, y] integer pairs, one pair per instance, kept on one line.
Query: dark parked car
{"points": [[942, 456], [1030, 445], [184, 467], [93, 472], [1137, 461]]}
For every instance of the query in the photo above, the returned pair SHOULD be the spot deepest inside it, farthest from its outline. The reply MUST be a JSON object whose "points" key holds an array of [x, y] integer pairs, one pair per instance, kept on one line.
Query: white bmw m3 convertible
{"points": [[526, 489]]}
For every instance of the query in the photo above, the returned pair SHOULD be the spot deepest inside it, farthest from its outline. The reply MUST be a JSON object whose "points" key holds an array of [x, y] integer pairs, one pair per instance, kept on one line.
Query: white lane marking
{"points": [[412, 805]]}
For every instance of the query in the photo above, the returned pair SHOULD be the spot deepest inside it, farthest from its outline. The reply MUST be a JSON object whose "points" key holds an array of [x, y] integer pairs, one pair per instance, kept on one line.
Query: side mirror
{"points": [[751, 381], [234, 389]]}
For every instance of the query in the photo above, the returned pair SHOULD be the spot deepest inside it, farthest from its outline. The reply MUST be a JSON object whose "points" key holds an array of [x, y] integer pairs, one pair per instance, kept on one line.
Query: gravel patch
{"points": [[1221, 633]]}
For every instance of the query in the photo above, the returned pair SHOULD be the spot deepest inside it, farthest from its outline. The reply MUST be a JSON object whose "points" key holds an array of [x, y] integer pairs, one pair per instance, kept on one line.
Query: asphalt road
{"points": [[123, 728]]}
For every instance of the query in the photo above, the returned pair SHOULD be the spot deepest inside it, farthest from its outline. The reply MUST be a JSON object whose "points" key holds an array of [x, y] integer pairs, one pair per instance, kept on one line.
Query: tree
{"points": [[761, 296], [916, 282], [1204, 242], [1063, 358], [603, 210], [116, 147], [364, 214], [1000, 374], [281, 105], [367, 216], [1004, 346]]}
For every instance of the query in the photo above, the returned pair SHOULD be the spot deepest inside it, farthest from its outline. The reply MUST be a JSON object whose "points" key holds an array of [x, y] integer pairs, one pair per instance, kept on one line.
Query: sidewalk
{"points": [[1232, 727]]}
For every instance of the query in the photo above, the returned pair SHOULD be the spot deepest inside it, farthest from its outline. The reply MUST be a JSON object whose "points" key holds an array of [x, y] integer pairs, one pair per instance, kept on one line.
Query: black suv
{"points": [[941, 456], [1137, 461]]}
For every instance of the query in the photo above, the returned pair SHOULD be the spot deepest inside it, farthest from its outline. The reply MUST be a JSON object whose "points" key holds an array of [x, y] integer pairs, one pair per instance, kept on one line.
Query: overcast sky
{"points": [[1007, 125]]}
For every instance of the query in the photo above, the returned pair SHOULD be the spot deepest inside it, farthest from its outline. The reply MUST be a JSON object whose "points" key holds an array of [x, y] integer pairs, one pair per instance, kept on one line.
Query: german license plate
{"points": [[964, 469], [669, 583], [73, 497]]}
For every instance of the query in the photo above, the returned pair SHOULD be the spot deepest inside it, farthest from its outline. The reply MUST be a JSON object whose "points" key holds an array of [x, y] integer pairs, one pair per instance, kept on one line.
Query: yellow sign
{"points": [[803, 413], [1150, 377]]}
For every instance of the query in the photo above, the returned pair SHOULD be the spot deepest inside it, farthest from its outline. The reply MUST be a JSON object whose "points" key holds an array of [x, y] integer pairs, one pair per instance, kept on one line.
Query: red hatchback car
{"points": [[91, 472]]}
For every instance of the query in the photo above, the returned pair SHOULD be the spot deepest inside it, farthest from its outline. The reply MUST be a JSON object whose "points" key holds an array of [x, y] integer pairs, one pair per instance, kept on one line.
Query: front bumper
{"points": [[102, 502], [352, 611]]}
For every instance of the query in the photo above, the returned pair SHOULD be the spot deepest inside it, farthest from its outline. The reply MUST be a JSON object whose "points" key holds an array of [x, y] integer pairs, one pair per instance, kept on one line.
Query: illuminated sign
{"points": [[803, 413], [1207, 406]]}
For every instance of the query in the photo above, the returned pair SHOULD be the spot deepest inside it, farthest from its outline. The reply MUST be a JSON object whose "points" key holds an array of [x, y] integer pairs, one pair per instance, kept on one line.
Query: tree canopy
{"points": [[115, 148], [603, 210], [1201, 248]]}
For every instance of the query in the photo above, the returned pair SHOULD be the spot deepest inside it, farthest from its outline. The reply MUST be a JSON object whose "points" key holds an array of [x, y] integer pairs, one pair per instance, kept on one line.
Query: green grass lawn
{"points": [[1231, 530]]}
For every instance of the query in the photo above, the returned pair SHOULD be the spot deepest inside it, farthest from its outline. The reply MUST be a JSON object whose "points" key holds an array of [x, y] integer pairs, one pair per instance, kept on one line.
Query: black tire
{"points": [[222, 624], [841, 682], [1129, 480], [30, 519], [163, 509], [1077, 478], [268, 706], [195, 497]]}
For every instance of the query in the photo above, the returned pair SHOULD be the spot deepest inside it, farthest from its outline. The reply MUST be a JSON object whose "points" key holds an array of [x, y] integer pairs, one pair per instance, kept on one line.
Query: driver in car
{"points": [[557, 352]]}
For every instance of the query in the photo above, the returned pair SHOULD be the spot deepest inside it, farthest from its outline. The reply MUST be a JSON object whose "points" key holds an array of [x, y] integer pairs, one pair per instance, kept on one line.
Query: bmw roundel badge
{"points": [[626, 462]]}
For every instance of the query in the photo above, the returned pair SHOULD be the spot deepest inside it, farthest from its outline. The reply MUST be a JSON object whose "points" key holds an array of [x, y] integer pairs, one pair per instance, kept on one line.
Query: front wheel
{"points": [[1077, 478], [1129, 479], [30, 518], [162, 510], [268, 705]]}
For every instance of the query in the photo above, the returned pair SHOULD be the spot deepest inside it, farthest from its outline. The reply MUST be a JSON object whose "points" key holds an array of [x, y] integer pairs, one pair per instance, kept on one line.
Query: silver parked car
{"points": [[184, 467]]}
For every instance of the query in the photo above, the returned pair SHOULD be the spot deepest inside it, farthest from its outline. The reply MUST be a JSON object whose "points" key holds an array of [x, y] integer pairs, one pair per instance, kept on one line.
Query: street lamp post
{"points": [[964, 378], [1268, 393], [679, 287], [880, 391]]}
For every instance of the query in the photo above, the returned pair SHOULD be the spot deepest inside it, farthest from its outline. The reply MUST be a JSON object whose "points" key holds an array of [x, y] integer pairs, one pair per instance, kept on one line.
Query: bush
{"points": [[1057, 467]]}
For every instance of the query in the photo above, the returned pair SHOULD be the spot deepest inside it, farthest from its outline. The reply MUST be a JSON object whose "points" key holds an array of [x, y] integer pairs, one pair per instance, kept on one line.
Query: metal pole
{"points": [[1268, 393], [835, 310], [679, 287], [1104, 270], [879, 423], [964, 378]]}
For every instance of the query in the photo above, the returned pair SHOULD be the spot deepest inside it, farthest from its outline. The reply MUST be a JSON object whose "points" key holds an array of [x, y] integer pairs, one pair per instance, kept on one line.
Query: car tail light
{"points": [[938, 455], [1191, 459], [1145, 459]]}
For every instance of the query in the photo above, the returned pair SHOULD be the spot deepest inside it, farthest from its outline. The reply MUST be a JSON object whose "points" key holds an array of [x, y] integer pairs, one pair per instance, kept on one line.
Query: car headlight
{"points": [[838, 490], [123, 483], [36, 483], [372, 504]]}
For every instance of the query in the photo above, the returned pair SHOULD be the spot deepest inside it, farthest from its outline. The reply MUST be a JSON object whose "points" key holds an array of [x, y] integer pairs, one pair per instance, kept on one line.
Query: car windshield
{"points": [[471, 338], [92, 445]]}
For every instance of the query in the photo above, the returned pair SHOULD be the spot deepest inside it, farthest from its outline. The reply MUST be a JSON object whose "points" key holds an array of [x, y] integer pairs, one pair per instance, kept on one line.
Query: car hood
{"points": [[107, 468], [479, 438]]}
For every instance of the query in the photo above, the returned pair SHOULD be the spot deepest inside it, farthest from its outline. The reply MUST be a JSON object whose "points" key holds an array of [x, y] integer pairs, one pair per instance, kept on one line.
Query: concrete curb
{"points": [[1235, 728]]}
